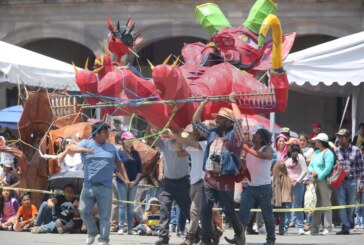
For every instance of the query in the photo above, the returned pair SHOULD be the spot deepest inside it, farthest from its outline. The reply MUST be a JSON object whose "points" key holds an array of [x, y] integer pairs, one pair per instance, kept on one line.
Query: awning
{"points": [[34, 69], [9, 117], [333, 68]]}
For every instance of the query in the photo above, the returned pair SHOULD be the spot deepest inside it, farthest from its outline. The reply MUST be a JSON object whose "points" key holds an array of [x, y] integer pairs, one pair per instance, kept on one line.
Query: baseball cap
{"points": [[343, 132], [285, 130], [321, 137], [127, 135]]}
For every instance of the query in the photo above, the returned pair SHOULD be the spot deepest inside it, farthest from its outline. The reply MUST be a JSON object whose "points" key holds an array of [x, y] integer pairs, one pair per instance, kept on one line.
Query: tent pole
{"points": [[344, 112], [354, 106], [272, 121]]}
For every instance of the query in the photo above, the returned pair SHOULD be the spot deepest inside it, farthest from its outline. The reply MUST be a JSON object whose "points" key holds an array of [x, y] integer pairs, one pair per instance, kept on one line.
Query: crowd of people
{"points": [[199, 171]]}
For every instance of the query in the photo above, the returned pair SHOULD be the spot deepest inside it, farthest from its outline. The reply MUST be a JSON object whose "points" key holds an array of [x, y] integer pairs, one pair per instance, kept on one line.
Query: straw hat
{"points": [[225, 112]]}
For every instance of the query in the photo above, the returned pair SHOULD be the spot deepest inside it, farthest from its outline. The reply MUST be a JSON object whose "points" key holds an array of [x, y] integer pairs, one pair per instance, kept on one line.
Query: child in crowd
{"points": [[309, 202], [26, 214], [150, 218], [8, 208]]}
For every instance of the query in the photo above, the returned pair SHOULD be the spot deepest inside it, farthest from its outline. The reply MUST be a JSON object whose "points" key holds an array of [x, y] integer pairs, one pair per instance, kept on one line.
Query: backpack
{"points": [[337, 175]]}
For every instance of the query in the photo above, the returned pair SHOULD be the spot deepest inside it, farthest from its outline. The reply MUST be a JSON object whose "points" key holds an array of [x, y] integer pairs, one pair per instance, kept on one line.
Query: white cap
{"points": [[322, 137]]}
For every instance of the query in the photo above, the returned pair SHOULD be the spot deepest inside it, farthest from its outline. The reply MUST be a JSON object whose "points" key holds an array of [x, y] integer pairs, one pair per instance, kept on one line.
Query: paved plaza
{"points": [[25, 238]]}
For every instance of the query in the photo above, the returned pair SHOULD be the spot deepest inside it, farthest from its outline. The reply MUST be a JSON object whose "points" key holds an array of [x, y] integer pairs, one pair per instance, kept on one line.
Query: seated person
{"points": [[58, 206], [8, 208], [150, 218], [26, 215], [74, 225]]}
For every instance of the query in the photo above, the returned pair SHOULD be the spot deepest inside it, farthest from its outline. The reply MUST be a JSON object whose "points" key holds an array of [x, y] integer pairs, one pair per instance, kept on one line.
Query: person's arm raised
{"points": [[184, 141], [267, 153]]}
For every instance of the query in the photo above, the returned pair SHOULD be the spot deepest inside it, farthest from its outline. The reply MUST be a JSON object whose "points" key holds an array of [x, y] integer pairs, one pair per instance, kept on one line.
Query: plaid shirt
{"points": [[352, 160], [233, 144]]}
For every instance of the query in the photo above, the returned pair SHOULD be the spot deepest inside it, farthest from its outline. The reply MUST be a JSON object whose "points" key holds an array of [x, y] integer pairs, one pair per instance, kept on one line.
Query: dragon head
{"points": [[120, 40]]}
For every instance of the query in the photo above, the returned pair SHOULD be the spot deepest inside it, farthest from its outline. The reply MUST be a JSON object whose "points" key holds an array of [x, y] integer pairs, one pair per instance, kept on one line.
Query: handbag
{"points": [[337, 175]]}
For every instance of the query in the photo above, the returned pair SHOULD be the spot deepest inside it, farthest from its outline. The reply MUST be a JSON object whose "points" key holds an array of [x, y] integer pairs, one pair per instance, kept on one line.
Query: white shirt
{"points": [[196, 161], [259, 169]]}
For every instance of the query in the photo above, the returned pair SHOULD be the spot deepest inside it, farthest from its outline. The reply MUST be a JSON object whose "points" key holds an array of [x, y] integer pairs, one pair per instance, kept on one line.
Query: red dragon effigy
{"points": [[228, 63]]}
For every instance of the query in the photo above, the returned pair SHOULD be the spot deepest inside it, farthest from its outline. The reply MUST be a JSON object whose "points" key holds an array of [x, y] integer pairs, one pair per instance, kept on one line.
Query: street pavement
{"points": [[25, 238]]}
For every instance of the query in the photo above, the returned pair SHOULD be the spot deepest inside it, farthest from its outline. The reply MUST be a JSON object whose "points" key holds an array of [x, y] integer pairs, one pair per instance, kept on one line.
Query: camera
{"points": [[215, 158]]}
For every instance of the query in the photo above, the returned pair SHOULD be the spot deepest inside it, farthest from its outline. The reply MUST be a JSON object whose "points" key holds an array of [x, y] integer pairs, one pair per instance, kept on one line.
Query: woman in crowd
{"points": [[133, 165], [297, 170], [321, 165], [307, 151]]}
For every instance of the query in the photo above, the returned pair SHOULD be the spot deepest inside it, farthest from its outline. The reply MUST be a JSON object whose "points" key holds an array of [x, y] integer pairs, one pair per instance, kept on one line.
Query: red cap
{"points": [[316, 125]]}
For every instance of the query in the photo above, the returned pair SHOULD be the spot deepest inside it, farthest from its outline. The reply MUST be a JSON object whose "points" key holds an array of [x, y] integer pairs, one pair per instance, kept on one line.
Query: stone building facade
{"points": [[71, 30]]}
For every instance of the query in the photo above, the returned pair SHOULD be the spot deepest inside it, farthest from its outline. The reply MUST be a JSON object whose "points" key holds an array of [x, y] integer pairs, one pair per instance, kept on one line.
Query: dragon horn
{"points": [[97, 69], [74, 67], [128, 22], [272, 21], [167, 59], [150, 64], [175, 63], [86, 64], [110, 24]]}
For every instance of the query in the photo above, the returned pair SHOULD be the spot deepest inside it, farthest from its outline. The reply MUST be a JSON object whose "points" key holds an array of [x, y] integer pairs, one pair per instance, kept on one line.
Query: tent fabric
{"points": [[334, 68], [9, 117], [34, 69]]}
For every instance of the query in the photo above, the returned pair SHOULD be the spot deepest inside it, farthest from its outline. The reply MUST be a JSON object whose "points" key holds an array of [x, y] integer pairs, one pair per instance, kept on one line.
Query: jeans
{"points": [[173, 189], [46, 218], [127, 195], [101, 195], [345, 195], [175, 213], [226, 200], [359, 219], [261, 196], [298, 191]]}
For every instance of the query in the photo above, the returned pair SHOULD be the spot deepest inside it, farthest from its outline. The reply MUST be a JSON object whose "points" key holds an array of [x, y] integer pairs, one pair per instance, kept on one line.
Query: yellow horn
{"points": [[97, 70], [273, 21], [175, 63], [150, 64], [86, 64], [74, 67], [167, 59]]}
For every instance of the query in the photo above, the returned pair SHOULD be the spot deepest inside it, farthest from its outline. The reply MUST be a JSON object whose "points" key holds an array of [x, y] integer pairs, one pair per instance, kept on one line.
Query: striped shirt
{"points": [[99, 166], [352, 160]]}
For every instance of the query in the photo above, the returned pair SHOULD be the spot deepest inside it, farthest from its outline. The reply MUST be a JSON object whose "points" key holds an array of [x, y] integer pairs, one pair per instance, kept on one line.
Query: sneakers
{"points": [[90, 239], [301, 231], [326, 232], [132, 232], [59, 226], [36, 230], [343, 232], [121, 231], [162, 241]]}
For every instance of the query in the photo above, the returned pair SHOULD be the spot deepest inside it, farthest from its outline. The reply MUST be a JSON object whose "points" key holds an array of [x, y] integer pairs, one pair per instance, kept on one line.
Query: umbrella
{"points": [[255, 122], [60, 180], [9, 117]]}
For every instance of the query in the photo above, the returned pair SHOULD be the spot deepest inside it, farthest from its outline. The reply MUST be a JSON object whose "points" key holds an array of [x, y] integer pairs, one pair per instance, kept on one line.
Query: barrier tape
{"points": [[276, 210]]}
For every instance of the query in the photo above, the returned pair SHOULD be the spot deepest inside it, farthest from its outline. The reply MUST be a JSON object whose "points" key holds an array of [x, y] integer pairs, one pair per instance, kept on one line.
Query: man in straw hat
{"points": [[221, 163]]}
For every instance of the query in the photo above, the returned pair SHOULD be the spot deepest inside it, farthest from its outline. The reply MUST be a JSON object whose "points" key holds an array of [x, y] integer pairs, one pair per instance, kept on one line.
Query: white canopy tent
{"points": [[334, 68], [34, 69]]}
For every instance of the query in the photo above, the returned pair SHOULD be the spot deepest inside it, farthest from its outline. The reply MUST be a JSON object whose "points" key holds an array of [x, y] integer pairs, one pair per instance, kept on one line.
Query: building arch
{"points": [[31, 33]]}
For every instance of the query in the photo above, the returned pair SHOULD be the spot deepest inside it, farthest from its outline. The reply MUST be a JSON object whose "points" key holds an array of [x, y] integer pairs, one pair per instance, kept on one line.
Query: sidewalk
{"points": [[25, 238]]}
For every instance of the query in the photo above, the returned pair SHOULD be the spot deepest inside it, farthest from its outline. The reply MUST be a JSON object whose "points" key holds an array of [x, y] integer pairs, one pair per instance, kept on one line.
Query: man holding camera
{"points": [[221, 164]]}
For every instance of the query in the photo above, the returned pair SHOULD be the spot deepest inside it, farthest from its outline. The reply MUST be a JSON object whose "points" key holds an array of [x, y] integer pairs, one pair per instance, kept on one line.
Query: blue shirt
{"points": [[100, 166], [322, 163], [133, 165]]}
